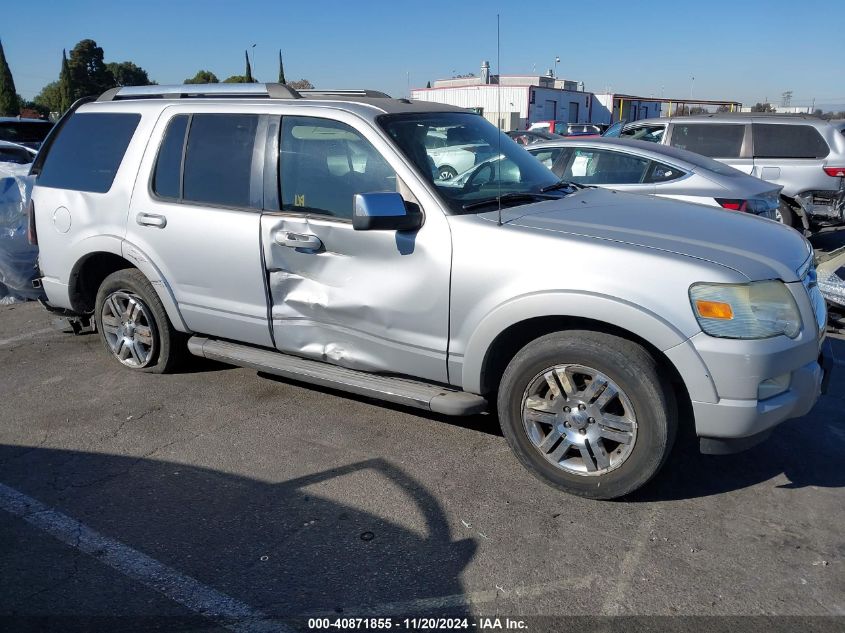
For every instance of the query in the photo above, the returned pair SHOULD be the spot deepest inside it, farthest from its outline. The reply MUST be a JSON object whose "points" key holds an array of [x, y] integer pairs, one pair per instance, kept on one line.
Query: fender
{"points": [[142, 261], [635, 319]]}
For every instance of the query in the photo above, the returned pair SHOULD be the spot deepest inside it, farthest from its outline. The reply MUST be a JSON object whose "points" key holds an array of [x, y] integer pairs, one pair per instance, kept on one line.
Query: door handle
{"points": [[297, 240], [151, 219]]}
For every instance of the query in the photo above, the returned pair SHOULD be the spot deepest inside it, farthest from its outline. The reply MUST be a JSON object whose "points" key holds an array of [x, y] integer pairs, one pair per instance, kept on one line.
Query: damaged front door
{"points": [[373, 300]]}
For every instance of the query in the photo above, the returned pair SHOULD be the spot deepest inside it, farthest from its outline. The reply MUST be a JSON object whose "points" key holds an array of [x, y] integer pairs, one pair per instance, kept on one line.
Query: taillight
{"points": [[733, 205], [31, 234], [836, 172]]}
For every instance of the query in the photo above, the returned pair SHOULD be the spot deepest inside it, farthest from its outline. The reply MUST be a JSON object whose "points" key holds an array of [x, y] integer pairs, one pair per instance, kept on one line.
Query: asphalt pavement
{"points": [[222, 498]]}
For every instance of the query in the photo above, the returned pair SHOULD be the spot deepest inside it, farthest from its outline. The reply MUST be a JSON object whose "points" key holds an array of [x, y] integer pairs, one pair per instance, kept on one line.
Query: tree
{"points": [[88, 72], [723, 108], [203, 77], [762, 107], [248, 74], [281, 69], [128, 74], [302, 84], [237, 79], [428, 84], [65, 86], [50, 97], [698, 110], [9, 104]]}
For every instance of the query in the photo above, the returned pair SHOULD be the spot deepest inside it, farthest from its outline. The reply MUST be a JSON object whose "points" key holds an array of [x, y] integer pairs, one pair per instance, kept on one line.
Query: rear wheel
{"points": [[588, 413], [133, 324], [446, 172], [785, 214]]}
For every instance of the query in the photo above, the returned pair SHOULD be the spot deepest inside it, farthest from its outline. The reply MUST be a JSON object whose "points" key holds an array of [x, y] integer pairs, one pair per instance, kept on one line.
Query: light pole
{"points": [[557, 61], [253, 61], [691, 84]]}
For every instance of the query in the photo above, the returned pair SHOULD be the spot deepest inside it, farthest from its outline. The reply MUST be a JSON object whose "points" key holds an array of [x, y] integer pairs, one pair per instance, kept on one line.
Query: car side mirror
{"points": [[384, 211]]}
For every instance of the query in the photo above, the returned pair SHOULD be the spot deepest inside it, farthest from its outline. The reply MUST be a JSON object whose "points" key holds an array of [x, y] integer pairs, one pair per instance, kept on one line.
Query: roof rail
{"points": [[214, 91], [374, 94]]}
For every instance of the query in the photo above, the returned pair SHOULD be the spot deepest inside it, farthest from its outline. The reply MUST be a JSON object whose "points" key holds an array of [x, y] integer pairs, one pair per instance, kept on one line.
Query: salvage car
{"points": [[306, 234], [641, 167], [803, 154], [27, 132]]}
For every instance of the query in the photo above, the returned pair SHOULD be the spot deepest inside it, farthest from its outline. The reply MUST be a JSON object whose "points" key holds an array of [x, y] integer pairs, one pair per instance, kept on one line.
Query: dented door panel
{"points": [[368, 300]]}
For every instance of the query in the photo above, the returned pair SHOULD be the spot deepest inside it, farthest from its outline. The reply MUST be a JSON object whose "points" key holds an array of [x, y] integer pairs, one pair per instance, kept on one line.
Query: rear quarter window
{"points": [[716, 140], [788, 141], [88, 151]]}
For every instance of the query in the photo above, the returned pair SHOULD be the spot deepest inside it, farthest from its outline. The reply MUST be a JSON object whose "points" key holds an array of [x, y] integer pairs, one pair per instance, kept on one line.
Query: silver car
{"points": [[803, 154], [641, 167], [308, 235]]}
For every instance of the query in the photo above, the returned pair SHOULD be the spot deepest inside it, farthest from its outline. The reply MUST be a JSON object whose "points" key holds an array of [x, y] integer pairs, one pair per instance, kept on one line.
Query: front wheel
{"points": [[588, 413], [133, 324]]}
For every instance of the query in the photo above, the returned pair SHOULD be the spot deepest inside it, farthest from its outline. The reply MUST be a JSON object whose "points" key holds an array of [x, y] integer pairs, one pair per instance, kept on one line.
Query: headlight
{"points": [[760, 309]]}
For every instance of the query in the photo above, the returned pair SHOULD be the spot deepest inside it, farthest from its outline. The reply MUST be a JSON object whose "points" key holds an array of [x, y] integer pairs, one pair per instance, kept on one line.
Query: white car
{"points": [[15, 159], [454, 152]]}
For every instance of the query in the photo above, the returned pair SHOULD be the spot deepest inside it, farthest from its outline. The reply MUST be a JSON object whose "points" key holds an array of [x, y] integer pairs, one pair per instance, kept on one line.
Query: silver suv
{"points": [[310, 235], [804, 154]]}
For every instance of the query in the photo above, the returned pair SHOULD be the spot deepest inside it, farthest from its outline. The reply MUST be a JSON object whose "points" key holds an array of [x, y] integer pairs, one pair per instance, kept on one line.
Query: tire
{"points": [[133, 324], [446, 173], [789, 217], [627, 437]]}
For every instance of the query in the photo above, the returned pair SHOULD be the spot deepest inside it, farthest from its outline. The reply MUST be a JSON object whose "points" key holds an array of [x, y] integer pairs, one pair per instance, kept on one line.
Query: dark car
{"points": [[27, 132], [528, 137]]}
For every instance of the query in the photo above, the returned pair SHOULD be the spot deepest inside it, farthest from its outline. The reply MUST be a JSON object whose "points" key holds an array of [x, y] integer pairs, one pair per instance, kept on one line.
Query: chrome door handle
{"points": [[297, 240], [151, 219]]}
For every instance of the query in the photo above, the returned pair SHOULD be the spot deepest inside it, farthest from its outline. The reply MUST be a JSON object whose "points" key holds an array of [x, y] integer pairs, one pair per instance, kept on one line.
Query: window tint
{"points": [[87, 153], [714, 140], [547, 156], [650, 133], [603, 167], [25, 131], [658, 172], [788, 141], [218, 159], [169, 162], [324, 163], [16, 155]]}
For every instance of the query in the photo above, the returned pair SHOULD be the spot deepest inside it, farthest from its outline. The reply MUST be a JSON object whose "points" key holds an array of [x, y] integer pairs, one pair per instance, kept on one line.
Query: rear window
{"points": [[24, 131], [87, 153], [716, 140], [788, 141]]}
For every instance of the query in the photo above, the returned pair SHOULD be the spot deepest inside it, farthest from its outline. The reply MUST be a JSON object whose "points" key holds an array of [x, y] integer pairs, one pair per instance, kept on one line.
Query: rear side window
{"points": [[167, 180], [87, 153], [218, 159], [788, 141], [713, 140], [659, 172]]}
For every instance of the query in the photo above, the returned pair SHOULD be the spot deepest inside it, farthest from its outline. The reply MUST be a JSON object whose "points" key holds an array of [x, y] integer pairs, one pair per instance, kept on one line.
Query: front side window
{"points": [[477, 163], [589, 166], [87, 153], [324, 163], [167, 177], [716, 140], [547, 155], [788, 141]]}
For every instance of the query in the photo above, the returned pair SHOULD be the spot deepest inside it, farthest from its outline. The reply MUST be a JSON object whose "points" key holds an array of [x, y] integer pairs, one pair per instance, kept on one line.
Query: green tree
{"points": [[248, 74], [203, 77], [762, 107], [66, 88], [281, 69], [128, 74], [428, 84], [302, 84], [237, 79], [50, 98], [89, 73], [9, 104]]}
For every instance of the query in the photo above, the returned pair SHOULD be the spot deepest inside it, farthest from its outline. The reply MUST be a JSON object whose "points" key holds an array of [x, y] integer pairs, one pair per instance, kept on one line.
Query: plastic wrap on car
{"points": [[18, 258], [831, 280]]}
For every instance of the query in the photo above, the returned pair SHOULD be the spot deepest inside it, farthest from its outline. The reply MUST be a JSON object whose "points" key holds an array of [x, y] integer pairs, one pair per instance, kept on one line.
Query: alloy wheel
{"points": [[129, 329]]}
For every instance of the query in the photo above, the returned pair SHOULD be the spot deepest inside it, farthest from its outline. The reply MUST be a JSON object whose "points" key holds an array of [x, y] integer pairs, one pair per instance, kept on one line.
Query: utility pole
{"points": [[786, 98]]}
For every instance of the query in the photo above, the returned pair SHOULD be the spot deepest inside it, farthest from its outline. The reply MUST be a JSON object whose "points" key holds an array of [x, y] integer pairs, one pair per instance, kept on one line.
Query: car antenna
{"points": [[499, 117]]}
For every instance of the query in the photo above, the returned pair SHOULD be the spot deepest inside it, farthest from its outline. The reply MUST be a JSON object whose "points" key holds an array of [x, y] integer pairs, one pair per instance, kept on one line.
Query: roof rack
{"points": [[225, 91]]}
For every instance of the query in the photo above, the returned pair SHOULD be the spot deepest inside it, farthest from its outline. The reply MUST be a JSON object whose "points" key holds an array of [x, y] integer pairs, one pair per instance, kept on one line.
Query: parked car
{"points": [[527, 137], [640, 167], [454, 150], [15, 159], [28, 132], [582, 129], [803, 154], [586, 317], [555, 127]]}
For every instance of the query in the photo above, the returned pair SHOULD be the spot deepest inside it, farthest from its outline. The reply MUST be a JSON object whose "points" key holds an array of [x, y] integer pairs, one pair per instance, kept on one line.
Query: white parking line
{"points": [[28, 335], [178, 587]]}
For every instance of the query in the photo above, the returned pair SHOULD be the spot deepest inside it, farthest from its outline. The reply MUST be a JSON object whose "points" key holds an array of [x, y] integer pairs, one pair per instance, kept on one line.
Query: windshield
{"points": [[466, 158]]}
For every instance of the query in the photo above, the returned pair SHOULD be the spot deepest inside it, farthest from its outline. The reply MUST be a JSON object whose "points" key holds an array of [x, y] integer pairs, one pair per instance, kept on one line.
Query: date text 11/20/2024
{"points": [[418, 624]]}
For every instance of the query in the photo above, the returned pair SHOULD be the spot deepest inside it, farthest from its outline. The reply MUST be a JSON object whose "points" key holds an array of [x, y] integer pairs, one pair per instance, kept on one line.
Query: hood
{"points": [[754, 247]]}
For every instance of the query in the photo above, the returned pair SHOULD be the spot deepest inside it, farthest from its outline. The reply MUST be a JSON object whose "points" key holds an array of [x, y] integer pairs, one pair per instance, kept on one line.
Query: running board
{"points": [[399, 390]]}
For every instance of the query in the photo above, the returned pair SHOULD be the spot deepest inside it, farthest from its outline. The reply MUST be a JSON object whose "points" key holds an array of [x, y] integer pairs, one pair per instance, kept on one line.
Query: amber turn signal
{"points": [[714, 309]]}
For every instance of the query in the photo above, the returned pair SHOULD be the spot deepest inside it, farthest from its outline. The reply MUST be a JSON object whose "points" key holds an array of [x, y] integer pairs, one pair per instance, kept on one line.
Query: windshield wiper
{"points": [[562, 184], [514, 196]]}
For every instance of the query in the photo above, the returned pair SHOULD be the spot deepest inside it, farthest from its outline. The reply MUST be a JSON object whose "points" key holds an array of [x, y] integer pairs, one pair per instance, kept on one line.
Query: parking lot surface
{"points": [[165, 499]]}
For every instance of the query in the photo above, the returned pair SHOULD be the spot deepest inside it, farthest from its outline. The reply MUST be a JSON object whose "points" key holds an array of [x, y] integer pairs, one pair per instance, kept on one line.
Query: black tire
{"points": [[789, 217], [446, 172], [633, 370], [169, 344]]}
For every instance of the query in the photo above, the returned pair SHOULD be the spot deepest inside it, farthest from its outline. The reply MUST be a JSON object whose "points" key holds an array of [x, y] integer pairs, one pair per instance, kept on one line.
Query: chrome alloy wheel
{"points": [[579, 419], [128, 329]]}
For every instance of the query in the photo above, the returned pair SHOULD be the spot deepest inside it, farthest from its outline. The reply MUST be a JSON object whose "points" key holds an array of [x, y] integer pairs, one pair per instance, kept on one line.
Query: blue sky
{"points": [[740, 50]]}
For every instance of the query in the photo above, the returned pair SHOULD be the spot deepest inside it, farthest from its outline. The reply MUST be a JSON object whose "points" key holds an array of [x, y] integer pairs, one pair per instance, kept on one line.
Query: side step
{"points": [[399, 390]]}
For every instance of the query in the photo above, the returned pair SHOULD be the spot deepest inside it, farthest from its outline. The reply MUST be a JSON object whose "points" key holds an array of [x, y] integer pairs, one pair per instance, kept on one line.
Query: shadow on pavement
{"points": [[282, 548]]}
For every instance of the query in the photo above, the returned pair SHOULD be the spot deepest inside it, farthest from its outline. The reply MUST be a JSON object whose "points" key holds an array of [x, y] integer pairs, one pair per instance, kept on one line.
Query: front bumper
{"points": [[731, 426]]}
